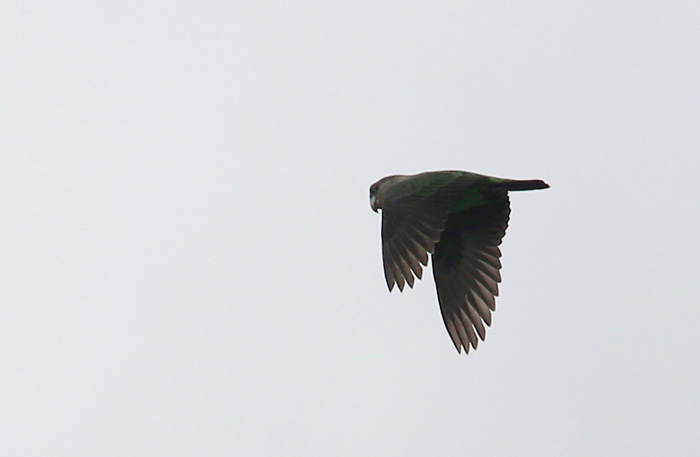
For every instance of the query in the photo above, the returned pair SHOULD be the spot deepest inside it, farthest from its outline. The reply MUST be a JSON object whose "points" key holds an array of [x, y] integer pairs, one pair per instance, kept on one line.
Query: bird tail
{"points": [[530, 184]]}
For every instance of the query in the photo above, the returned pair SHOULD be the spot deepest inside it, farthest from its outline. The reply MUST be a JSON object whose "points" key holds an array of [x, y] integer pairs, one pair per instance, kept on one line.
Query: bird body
{"points": [[459, 218]]}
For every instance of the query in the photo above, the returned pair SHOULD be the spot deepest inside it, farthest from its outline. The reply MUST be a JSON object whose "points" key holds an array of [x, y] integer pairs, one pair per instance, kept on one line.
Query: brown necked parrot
{"points": [[459, 218]]}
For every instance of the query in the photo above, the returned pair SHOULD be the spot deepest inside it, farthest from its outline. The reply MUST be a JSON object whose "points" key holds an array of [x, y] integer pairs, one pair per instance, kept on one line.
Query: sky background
{"points": [[189, 264]]}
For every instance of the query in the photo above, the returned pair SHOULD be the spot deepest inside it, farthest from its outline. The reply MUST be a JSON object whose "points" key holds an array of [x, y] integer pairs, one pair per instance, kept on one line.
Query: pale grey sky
{"points": [[189, 264]]}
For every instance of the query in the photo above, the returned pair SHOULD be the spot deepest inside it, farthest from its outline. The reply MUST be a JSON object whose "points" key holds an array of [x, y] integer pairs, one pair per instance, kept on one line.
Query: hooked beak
{"points": [[373, 203]]}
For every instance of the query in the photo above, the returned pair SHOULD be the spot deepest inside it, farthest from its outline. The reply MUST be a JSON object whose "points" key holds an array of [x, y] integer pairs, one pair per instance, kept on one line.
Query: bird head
{"points": [[378, 190]]}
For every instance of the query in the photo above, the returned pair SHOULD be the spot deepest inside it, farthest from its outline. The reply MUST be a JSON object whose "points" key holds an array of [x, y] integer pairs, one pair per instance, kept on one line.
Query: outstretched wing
{"points": [[466, 267], [413, 217]]}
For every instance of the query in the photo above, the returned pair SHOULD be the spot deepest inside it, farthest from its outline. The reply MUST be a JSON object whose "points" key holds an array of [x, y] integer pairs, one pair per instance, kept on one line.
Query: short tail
{"points": [[530, 184]]}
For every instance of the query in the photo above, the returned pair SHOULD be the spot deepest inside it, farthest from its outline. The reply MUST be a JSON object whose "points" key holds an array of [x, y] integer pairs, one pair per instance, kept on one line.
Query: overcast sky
{"points": [[189, 264]]}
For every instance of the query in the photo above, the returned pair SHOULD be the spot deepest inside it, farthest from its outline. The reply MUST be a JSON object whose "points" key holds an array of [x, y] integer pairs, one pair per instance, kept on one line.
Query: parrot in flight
{"points": [[459, 218]]}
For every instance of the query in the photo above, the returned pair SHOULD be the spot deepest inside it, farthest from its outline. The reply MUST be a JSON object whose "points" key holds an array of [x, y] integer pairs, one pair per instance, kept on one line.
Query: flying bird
{"points": [[459, 218]]}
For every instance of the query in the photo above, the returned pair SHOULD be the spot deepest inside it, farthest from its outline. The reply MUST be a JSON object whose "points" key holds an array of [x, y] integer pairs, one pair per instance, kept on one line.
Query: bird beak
{"points": [[373, 202]]}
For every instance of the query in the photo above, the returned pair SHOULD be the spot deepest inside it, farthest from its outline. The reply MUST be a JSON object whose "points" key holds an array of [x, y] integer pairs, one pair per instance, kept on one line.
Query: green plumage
{"points": [[472, 198]]}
